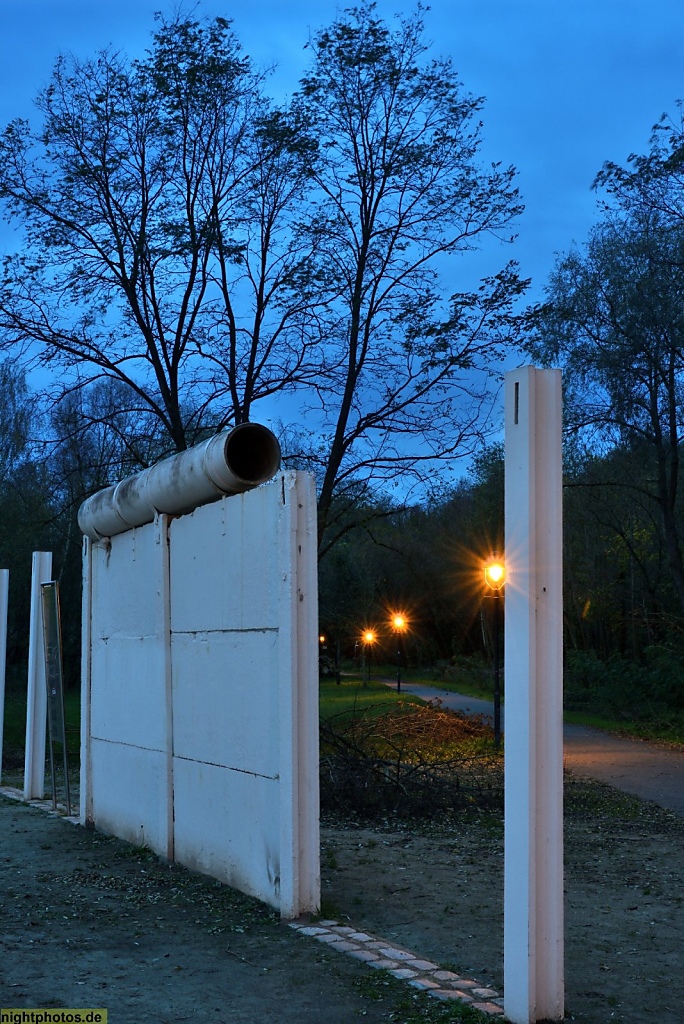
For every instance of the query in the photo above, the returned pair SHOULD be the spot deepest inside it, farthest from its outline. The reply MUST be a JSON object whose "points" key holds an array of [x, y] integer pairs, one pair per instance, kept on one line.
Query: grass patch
{"points": [[668, 732], [383, 753], [635, 698], [14, 732], [415, 1008], [351, 699], [467, 686], [619, 697]]}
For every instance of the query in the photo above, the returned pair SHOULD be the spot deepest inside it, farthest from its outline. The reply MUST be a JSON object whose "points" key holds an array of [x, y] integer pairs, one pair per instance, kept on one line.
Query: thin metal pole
{"points": [[497, 670], [398, 662]]}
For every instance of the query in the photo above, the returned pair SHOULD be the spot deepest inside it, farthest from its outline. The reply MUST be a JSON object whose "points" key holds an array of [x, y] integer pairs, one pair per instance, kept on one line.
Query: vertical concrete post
{"points": [[36, 707], [86, 786], [533, 888], [162, 568], [298, 714], [4, 594]]}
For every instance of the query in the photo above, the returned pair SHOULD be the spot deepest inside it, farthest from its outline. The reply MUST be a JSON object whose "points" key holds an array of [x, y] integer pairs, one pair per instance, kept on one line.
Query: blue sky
{"points": [[568, 85]]}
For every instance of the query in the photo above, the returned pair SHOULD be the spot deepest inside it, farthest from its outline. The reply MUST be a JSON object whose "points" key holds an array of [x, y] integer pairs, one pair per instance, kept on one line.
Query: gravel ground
{"points": [[88, 921]]}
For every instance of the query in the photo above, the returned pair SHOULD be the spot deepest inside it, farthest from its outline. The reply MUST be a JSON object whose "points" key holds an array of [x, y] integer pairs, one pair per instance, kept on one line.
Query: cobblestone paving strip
{"points": [[402, 964]]}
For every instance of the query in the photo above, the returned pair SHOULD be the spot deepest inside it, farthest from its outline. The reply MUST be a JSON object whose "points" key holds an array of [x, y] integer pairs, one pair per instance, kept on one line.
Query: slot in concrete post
{"points": [[36, 706], [533, 887]]}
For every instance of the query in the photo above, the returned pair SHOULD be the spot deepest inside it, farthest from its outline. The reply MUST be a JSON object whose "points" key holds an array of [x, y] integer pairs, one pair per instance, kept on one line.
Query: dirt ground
{"points": [[87, 921], [440, 893]]}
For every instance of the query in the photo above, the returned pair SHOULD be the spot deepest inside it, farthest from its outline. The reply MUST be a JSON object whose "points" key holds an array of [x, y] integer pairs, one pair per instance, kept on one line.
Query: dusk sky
{"points": [[568, 85]]}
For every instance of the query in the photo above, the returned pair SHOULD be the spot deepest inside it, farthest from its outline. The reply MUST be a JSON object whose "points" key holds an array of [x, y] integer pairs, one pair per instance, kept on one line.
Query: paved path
{"points": [[634, 766]]}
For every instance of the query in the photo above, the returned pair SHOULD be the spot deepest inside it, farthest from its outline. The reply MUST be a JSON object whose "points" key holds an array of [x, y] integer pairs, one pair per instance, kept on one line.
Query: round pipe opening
{"points": [[252, 452]]}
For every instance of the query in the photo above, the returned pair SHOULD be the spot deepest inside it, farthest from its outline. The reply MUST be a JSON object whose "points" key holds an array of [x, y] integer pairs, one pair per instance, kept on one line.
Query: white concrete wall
{"points": [[200, 682], [126, 765]]}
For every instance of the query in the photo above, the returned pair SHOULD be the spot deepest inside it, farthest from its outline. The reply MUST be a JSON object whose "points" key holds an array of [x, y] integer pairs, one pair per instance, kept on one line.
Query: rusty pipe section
{"points": [[228, 463]]}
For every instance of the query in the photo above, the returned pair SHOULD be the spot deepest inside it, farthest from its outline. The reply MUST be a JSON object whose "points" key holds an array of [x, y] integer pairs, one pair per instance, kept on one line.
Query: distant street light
{"points": [[368, 638], [399, 625], [495, 578]]}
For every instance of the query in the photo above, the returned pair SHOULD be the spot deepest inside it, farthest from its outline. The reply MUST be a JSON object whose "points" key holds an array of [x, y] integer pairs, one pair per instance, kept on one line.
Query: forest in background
{"points": [[190, 252], [624, 649]]}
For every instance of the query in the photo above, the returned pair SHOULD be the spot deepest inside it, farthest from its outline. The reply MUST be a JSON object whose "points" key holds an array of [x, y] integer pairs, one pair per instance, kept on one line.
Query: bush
{"points": [[649, 692]]}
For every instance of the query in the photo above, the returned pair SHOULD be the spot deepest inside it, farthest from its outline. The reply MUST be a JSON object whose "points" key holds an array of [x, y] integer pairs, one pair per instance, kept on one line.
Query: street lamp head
{"points": [[495, 574], [368, 636], [399, 623]]}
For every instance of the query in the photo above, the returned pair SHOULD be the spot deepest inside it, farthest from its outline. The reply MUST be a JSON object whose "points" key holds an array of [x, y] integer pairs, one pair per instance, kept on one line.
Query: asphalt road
{"points": [[648, 771]]}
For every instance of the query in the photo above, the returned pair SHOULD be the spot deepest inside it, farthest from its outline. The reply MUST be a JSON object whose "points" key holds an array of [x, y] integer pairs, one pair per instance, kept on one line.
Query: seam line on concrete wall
{"points": [[123, 743], [227, 767], [224, 632], [185, 632]]}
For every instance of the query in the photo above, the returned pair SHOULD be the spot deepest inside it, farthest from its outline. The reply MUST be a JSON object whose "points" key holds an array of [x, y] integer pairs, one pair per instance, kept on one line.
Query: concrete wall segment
{"points": [[202, 692], [228, 549], [128, 585], [128, 791], [225, 699], [233, 812]]}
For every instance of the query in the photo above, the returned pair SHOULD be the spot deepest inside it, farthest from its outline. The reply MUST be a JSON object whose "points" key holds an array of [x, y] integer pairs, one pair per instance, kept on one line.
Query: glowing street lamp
{"points": [[495, 574], [495, 578], [399, 626], [368, 638]]}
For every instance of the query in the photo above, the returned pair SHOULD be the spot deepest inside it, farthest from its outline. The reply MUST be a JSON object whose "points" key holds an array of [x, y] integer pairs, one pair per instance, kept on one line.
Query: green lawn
{"points": [[14, 732], [477, 685], [351, 697]]}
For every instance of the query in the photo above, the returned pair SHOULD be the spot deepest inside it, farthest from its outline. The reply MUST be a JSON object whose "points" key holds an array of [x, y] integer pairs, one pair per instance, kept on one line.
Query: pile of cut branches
{"points": [[408, 761]]}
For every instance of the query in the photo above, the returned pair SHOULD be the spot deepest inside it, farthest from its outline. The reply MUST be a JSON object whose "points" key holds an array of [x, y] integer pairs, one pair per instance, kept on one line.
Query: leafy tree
{"points": [[618, 590], [17, 414], [399, 195], [652, 182], [614, 320], [24, 503]]}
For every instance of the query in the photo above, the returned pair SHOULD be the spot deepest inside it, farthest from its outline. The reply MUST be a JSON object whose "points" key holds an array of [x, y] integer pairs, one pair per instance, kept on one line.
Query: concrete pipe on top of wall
{"points": [[228, 463]]}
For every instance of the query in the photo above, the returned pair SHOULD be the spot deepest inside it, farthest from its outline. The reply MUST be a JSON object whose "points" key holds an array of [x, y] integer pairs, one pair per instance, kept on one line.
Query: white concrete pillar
{"points": [[86, 786], [533, 888], [300, 882], [4, 594], [162, 571], [36, 707]]}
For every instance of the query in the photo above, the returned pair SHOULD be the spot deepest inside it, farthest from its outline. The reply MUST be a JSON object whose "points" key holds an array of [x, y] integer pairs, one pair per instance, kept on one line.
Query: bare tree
{"points": [[138, 197], [400, 195], [207, 251]]}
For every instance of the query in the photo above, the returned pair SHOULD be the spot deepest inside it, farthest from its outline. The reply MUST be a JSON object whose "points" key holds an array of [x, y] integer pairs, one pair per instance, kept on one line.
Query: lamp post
{"points": [[495, 577], [368, 638], [399, 625]]}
